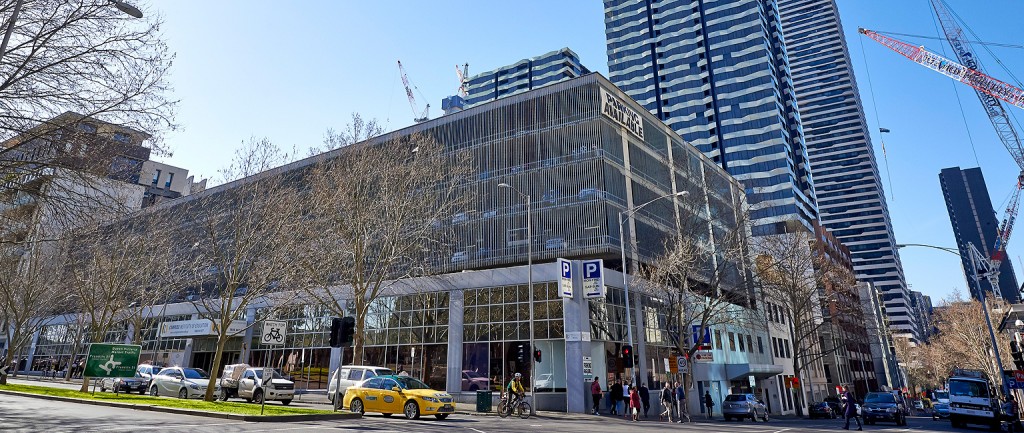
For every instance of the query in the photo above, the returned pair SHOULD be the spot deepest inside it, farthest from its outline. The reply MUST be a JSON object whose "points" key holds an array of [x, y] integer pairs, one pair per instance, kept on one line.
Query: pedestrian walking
{"points": [[1011, 414], [645, 398], [625, 400], [850, 410], [595, 391], [668, 399], [709, 403], [634, 403], [683, 411], [614, 395]]}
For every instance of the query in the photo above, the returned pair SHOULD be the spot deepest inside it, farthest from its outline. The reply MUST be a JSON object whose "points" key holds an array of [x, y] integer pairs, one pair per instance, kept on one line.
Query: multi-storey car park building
{"points": [[583, 151], [974, 222], [524, 75], [851, 201], [717, 72]]}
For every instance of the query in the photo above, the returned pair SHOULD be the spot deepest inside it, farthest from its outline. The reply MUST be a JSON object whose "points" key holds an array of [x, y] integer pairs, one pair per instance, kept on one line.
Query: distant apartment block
{"points": [[524, 75], [974, 222], [166, 182]]}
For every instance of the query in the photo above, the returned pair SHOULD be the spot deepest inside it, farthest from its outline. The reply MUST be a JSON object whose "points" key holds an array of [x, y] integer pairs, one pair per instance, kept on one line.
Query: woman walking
{"points": [[709, 403], [668, 399], [634, 403]]}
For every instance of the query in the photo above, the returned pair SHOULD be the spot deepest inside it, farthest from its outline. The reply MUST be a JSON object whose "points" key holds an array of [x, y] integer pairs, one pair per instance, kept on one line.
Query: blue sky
{"points": [[291, 70]]}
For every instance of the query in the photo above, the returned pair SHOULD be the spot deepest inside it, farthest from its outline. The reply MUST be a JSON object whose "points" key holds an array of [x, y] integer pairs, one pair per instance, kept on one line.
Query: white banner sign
{"points": [[274, 332], [593, 278], [619, 111], [200, 327], [565, 280]]}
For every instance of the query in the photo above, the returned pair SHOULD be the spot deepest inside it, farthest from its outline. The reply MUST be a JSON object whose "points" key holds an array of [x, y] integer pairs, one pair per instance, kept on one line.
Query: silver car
{"points": [[741, 406], [351, 375], [181, 382]]}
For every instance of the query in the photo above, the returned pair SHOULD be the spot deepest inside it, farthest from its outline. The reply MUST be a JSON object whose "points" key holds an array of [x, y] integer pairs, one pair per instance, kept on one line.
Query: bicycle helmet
{"points": [[519, 375]]}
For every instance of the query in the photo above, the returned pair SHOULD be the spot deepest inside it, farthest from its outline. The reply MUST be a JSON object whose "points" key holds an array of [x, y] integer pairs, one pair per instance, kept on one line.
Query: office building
{"points": [[524, 75], [583, 151], [167, 182], [717, 72], [974, 223], [851, 201]]}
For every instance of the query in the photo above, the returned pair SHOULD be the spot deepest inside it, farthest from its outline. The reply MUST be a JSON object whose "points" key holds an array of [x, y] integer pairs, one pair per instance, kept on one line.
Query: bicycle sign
{"points": [[273, 333]]}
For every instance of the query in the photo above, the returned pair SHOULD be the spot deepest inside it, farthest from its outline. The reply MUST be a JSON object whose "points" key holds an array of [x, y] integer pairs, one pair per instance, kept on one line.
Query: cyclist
{"points": [[515, 390]]}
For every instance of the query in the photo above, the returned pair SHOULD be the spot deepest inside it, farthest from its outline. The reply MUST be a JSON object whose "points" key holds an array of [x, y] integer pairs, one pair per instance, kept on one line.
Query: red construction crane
{"points": [[990, 91], [425, 115]]}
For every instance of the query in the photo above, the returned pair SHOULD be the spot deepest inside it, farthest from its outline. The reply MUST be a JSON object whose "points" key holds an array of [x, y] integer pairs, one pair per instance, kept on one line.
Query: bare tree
{"points": [[236, 242], [30, 291], [357, 131], [796, 275], [77, 74], [702, 281], [376, 212], [962, 340]]}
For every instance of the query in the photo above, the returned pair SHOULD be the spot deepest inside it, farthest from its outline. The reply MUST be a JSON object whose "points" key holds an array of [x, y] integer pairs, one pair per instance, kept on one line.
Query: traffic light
{"points": [[627, 356], [342, 331], [536, 355], [521, 355], [1018, 357]]}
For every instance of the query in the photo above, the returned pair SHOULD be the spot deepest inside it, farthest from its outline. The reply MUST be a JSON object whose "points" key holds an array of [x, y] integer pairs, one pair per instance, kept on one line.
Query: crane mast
{"points": [[425, 115]]}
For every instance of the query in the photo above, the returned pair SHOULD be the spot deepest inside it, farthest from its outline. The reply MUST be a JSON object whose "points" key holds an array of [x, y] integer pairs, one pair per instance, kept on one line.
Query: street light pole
{"points": [[625, 282], [529, 283]]}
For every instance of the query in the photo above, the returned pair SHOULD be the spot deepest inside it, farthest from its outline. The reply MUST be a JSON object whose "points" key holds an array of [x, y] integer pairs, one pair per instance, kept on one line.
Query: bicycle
{"points": [[522, 408]]}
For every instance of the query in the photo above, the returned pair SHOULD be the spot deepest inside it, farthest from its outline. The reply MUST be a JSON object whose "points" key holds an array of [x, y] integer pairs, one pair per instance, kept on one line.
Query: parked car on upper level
{"points": [[743, 406]]}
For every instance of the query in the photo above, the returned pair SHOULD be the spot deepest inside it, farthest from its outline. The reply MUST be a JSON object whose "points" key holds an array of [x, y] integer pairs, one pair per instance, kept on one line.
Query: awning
{"points": [[759, 371]]}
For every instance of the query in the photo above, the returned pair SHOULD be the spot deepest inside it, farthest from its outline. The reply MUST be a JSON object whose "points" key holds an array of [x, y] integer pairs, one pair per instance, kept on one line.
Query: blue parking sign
{"points": [[566, 281]]}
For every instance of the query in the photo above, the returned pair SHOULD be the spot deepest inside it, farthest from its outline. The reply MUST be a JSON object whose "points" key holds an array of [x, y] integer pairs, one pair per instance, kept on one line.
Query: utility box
{"points": [[483, 400]]}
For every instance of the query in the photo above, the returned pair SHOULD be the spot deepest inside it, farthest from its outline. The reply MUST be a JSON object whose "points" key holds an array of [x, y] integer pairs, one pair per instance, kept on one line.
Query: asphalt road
{"points": [[26, 414]]}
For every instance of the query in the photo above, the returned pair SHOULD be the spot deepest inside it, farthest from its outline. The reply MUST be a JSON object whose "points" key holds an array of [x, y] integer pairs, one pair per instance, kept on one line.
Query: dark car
{"points": [[883, 406], [823, 410], [940, 410], [125, 384]]}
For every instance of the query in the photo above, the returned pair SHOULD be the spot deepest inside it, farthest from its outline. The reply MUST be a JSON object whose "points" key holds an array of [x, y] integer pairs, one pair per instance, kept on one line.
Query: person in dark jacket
{"points": [[615, 394], [668, 399], [709, 403], [683, 411], [850, 410], [645, 398], [595, 391]]}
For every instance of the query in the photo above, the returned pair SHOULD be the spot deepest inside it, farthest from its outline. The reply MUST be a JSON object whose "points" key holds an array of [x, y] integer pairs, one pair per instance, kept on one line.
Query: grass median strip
{"points": [[274, 409]]}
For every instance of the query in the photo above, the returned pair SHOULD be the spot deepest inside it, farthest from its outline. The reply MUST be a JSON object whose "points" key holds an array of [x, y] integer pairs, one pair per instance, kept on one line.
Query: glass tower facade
{"points": [[524, 75], [717, 73], [973, 221], [851, 201]]}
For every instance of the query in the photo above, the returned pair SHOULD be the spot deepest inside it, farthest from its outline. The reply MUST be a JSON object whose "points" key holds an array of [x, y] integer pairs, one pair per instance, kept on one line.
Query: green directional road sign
{"points": [[112, 360]]}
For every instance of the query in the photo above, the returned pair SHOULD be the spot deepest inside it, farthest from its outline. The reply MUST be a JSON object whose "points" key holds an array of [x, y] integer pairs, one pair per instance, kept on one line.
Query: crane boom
{"points": [[1006, 92], [412, 98]]}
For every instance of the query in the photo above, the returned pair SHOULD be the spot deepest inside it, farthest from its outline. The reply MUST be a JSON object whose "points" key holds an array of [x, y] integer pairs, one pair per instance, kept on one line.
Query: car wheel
{"points": [[441, 416], [257, 397], [412, 410], [356, 406], [142, 391], [286, 402], [753, 416], [183, 393], [103, 389], [154, 392]]}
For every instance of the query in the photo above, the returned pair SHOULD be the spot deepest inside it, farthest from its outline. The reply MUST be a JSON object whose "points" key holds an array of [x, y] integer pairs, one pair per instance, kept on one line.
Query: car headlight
{"points": [[194, 386], [891, 409], [431, 399]]}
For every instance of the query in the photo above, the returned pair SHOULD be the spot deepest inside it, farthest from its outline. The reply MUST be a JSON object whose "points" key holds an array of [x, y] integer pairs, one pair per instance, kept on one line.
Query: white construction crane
{"points": [[425, 114]]}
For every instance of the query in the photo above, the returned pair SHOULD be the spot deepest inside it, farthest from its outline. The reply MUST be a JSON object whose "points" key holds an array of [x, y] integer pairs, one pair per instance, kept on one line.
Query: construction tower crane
{"points": [[463, 79], [990, 91], [425, 115]]}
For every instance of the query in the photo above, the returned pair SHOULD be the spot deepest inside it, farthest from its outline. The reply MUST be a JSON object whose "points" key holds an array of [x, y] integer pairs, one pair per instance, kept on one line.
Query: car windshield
{"points": [[195, 373], [735, 397], [259, 374], [880, 397], [941, 395], [966, 388], [410, 383]]}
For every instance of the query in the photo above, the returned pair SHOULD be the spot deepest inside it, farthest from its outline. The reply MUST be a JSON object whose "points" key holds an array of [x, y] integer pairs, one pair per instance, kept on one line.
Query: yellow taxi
{"points": [[398, 394]]}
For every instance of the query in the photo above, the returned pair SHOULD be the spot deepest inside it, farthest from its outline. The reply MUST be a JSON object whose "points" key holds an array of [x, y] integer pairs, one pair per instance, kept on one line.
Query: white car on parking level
{"points": [[181, 382]]}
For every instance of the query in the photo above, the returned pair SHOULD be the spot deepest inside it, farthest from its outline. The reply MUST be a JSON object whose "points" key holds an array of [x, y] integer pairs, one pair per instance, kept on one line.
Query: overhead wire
{"points": [[874, 105]]}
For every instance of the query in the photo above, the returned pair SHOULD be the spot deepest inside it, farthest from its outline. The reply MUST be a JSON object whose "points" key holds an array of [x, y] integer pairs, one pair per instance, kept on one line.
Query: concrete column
{"points": [[640, 337], [186, 355], [250, 318], [31, 350], [129, 333], [456, 305], [577, 329]]}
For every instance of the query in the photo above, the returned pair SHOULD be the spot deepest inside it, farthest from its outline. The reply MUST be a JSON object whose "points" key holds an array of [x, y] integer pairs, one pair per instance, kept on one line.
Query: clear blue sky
{"points": [[291, 70]]}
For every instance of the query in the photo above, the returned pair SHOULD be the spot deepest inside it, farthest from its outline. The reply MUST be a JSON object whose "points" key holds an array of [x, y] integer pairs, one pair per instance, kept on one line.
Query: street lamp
{"points": [[972, 252], [120, 5], [529, 279], [622, 247]]}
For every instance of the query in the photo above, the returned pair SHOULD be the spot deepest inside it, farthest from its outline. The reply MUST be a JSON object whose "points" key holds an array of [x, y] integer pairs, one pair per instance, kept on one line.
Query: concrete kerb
{"points": [[193, 412]]}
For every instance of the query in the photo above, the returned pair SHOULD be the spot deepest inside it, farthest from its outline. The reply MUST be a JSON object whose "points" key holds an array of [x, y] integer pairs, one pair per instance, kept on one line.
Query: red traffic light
{"points": [[536, 355]]}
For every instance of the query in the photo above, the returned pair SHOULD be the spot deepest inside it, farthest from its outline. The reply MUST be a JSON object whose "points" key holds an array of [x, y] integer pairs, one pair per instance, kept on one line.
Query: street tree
{"points": [[801, 278], [358, 130], [963, 340], [236, 243], [74, 71], [377, 212]]}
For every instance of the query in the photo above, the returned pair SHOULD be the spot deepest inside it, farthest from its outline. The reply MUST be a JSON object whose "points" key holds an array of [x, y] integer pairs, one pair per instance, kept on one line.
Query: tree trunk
{"points": [[358, 337], [211, 385]]}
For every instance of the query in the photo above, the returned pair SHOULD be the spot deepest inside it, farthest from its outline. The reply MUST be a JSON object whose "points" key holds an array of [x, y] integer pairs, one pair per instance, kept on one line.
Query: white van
{"points": [[351, 375]]}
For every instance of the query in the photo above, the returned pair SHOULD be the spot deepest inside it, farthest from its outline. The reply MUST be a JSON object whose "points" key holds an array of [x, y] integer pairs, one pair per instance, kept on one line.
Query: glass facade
{"points": [[717, 73], [524, 75], [851, 200]]}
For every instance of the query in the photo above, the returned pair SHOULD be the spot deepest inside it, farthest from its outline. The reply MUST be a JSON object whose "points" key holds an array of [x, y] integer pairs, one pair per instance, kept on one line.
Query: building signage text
{"points": [[617, 110]]}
